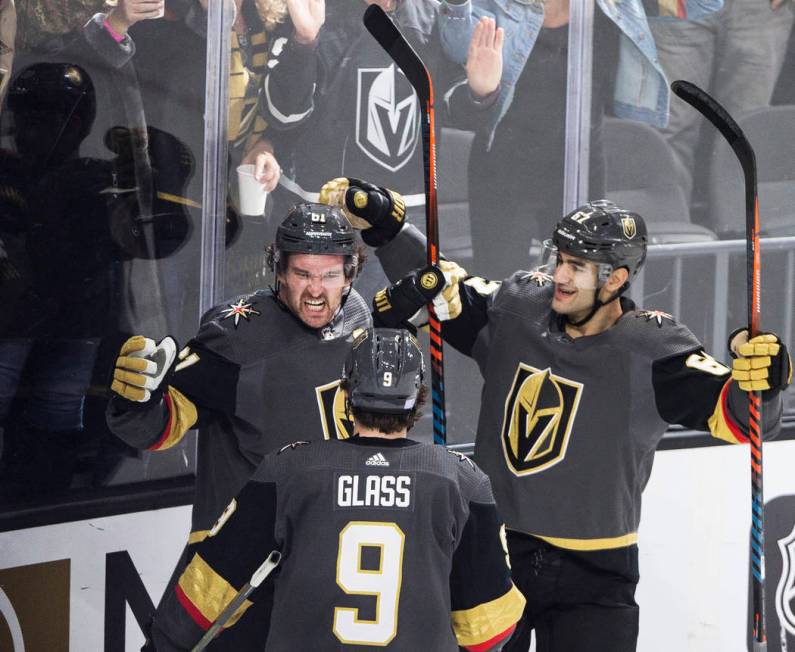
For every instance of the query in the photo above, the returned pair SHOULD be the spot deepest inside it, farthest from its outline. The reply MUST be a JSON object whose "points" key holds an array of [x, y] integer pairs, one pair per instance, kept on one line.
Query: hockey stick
{"points": [[395, 44], [257, 578], [719, 117]]}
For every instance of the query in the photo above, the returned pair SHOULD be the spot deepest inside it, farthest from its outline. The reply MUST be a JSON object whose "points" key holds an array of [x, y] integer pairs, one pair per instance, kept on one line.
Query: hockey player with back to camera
{"points": [[261, 368], [385, 541], [580, 386]]}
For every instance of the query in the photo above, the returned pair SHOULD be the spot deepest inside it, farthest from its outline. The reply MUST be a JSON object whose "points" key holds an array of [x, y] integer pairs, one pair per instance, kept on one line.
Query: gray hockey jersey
{"points": [[568, 427], [386, 544], [252, 377]]}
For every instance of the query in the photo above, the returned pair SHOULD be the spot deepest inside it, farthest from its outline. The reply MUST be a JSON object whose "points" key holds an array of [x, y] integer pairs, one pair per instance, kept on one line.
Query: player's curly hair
{"points": [[271, 12], [389, 424]]}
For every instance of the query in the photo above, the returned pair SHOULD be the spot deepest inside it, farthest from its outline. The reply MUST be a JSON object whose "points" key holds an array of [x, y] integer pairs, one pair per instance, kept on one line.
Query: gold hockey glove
{"points": [[761, 363], [142, 366], [379, 213]]}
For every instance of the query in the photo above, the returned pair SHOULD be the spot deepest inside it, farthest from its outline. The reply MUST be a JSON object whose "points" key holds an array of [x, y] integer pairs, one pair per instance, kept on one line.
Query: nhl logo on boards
{"points": [[387, 116], [539, 415], [785, 590], [377, 460]]}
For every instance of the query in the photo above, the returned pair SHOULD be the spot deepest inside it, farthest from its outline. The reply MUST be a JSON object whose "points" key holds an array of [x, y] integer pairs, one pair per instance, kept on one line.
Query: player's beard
{"points": [[316, 309]]}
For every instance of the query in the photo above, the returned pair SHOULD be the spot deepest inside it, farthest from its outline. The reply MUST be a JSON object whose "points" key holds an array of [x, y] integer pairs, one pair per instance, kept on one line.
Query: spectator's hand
{"points": [[775, 4], [128, 12], [484, 60], [761, 363], [378, 213], [142, 366], [307, 17], [401, 303], [266, 168]]}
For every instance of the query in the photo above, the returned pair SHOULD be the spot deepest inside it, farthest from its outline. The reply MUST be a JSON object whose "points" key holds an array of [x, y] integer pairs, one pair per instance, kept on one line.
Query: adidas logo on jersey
{"points": [[377, 460]]}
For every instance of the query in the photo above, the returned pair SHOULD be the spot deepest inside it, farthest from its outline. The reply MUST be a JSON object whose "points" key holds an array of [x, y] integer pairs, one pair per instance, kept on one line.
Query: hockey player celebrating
{"points": [[580, 385], [385, 541], [260, 367]]}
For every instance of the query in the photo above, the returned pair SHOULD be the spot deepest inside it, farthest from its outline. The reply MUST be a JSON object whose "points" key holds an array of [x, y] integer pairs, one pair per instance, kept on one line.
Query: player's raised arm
{"points": [[159, 394], [694, 389]]}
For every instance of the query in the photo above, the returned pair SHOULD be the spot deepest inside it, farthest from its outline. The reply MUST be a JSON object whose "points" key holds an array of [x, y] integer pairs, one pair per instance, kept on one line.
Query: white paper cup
{"points": [[252, 193], [162, 11]]}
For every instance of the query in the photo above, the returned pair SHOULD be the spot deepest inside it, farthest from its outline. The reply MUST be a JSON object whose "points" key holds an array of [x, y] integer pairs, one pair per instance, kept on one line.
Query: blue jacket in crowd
{"points": [[641, 90]]}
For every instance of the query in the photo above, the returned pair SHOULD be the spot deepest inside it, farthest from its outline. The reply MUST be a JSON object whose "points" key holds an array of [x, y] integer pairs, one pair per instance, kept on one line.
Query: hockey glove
{"points": [[142, 366], [377, 212], [448, 303], [401, 303], [761, 363]]}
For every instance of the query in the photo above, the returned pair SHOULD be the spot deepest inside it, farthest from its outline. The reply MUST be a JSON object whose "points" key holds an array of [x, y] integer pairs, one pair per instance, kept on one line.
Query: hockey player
{"points": [[260, 367], [385, 541], [580, 386]]}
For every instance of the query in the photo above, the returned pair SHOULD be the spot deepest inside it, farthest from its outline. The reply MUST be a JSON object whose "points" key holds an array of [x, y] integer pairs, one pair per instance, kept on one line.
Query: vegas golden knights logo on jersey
{"points": [[539, 416], [331, 401]]}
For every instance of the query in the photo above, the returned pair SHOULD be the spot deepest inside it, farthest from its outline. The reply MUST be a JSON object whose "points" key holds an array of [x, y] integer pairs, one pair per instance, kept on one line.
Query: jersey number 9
{"points": [[383, 583]]}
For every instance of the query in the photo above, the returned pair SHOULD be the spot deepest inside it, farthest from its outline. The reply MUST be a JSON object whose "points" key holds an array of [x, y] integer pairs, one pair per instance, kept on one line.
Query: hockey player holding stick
{"points": [[385, 541], [580, 385], [260, 367]]}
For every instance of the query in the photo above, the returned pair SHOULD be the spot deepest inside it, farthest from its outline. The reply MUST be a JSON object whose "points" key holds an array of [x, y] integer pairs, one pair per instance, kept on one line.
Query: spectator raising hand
{"points": [[308, 17], [484, 59], [128, 12]]}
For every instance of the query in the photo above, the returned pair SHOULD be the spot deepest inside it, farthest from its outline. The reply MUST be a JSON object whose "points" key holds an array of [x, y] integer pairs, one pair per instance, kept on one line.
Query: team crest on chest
{"points": [[238, 310], [539, 416], [335, 420], [387, 116]]}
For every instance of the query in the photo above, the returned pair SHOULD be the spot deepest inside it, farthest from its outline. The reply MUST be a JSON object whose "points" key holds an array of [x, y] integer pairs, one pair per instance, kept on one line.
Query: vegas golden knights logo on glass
{"points": [[539, 416], [331, 401]]}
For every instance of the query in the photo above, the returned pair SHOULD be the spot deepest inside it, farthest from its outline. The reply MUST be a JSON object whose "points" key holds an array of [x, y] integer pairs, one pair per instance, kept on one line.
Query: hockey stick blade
{"points": [[723, 122], [390, 39]]}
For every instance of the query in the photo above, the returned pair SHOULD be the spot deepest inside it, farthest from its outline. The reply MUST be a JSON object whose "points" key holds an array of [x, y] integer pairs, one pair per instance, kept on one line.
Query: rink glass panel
{"points": [[150, 252]]}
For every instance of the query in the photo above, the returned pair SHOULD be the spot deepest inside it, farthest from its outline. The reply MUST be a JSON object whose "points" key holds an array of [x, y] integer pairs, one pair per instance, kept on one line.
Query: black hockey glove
{"points": [[141, 368], [379, 213], [398, 305], [761, 363]]}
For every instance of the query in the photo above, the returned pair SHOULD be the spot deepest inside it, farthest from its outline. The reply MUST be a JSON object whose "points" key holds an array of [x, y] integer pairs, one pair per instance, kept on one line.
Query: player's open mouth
{"points": [[563, 293], [315, 305]]}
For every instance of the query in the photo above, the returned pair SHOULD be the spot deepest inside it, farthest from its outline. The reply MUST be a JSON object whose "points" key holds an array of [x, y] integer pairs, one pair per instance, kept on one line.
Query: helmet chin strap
{"points": [[598, 303]]}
